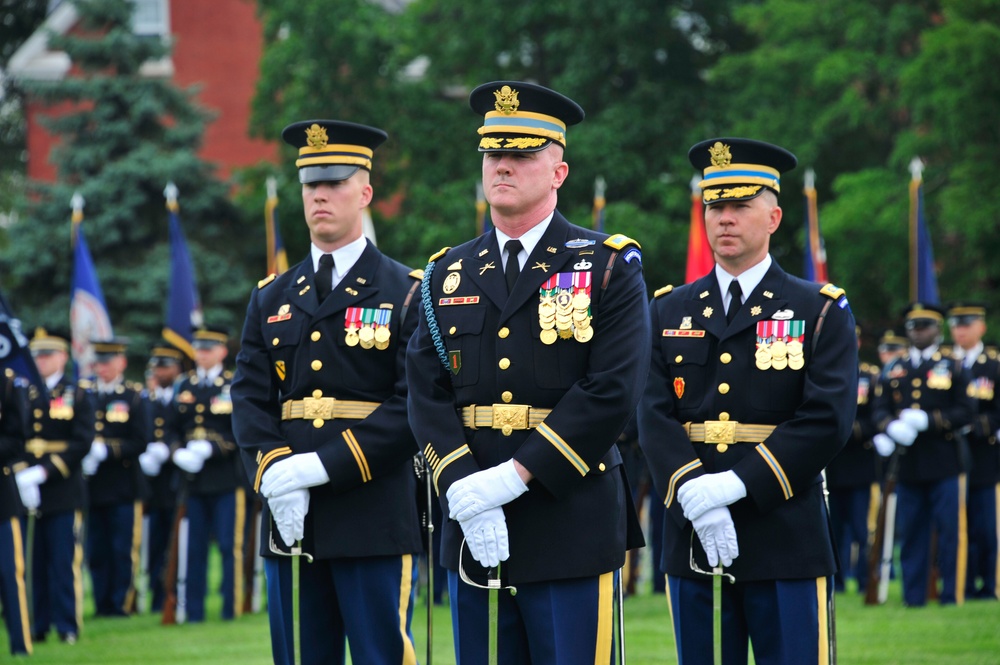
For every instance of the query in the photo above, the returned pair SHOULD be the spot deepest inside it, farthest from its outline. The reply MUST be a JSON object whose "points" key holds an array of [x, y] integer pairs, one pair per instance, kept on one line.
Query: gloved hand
{"points": [[98, 450], [200, 447], [915, 418], [717, 534], [289, 512], [159, 450], [28, 481], [188, 460], [149, 464], [483, 490], [712, 490], [486, 536], [883, 444], [89, 464], [294, 472], [901, 432]]}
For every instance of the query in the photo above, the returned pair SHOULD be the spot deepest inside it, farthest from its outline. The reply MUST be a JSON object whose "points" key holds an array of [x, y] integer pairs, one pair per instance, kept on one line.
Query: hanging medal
{"points": [[382, 334], [367, 333], [581, 307], [765, 334], [352, 321], [547, 310], [564, 305], [796, 335]]}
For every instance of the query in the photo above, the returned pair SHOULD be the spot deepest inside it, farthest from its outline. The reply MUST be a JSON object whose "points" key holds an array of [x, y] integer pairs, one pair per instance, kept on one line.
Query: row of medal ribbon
{"points": [[564, 307], [367, 327], [779, 345]]}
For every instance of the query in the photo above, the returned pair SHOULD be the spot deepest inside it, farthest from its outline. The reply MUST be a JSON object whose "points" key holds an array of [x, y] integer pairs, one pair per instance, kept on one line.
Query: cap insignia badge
{"points": [[507, 101], [316, 136], [720, 154]]}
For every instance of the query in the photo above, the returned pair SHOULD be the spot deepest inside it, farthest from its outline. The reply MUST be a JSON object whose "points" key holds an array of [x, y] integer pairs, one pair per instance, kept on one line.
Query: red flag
{"points": [[700, 259]]}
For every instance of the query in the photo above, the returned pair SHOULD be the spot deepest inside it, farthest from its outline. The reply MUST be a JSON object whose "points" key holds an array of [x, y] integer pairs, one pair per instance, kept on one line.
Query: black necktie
{"points": [[513, 268], [736, 302], [324, 277]]}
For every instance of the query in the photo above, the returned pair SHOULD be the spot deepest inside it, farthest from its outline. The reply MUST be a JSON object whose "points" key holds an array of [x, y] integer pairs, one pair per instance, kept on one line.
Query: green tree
{"points": [[125, 136]]}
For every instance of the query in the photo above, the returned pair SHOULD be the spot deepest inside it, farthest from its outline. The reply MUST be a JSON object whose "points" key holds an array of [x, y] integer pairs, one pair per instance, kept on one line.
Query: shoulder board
{"points": [[417, 274], [86, 384], [267, 280], [663, 291], [619, 241], [437, 256], [832, 291]]}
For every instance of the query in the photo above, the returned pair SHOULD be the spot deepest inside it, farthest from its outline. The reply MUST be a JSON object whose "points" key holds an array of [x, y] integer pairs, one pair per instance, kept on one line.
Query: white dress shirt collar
{"points": [[344, 257], [748, 279], [528, 240]]}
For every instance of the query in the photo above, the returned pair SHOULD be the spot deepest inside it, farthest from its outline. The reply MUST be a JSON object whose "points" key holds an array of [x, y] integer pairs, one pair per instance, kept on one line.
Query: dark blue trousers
{"points": [[849, 512], [921, 507], [215, 516], [57, 580], [563, 622], [982, 573], [113, 533], [160, 523], [13, 593], [786, 620]]}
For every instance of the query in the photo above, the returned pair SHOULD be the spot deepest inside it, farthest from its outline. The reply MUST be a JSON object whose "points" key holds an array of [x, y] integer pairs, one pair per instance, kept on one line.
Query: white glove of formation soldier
{"points": [[289, 513], [713, 490], [884, 444], [717, 533], [152, 459], [200, 447], [188, 460], [902, 433], [915, 418], [28, 481], [98, 453], [483, 490], [295, 472], [486, 537]]}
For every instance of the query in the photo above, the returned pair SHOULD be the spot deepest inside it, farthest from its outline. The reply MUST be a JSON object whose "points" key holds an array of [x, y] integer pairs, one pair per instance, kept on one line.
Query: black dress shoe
{"points": [[38, 637], [68, 638]]}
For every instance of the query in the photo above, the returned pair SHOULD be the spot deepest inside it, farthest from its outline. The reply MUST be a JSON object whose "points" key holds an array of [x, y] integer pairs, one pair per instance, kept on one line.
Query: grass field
{"points": [[886, 635]]}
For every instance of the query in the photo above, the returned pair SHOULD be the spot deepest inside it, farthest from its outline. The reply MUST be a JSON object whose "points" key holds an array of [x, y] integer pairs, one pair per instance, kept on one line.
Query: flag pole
{"points": [[269, 206], [916, 179], [480, 210], [599, 202]]}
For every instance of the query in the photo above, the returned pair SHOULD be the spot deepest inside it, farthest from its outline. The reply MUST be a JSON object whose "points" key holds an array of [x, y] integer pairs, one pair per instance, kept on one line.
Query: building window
{"points": [[151, 17]]}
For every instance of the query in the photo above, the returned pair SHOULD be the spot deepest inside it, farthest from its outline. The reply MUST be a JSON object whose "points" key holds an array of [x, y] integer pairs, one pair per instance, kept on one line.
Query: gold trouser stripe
{"points": [[22, 594], [238, 524], [78, 567], [359, 455], [605, 617], [295, 409], [824, 622], [134, 555], [481, 417], [745, 432], [265, 460], [405, 586], [961, 565]]}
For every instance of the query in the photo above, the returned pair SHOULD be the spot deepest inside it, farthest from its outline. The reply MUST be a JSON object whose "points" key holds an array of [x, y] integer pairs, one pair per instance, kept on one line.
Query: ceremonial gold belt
{"points": [[506, 417], [39, 447], [722, 433], [326, 408]]}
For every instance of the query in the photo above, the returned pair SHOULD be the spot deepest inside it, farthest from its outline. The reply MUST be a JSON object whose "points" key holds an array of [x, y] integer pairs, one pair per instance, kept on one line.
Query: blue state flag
{"points": [[923, 279], [183, 304], [88, 313], [14, 353]]}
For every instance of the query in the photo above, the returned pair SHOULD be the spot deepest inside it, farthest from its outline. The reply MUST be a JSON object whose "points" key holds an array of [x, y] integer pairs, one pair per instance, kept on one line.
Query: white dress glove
{"points": [[200, 447], [484, 490], [717, 534], [188, 460], [159, 450], [883, 444], [289, 512], [28, 481], [712, 490], [89, 464], [486, 536], [149, 464], [99, 451], [902, 433], [915, 418], [295, 472]]}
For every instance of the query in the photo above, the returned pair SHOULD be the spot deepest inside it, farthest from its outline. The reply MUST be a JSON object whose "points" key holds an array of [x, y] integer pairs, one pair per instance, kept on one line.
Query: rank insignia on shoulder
{"points": [[832, 291], [267, 280], [663, 290], [579, 242], [417, 274], [619, 241]]}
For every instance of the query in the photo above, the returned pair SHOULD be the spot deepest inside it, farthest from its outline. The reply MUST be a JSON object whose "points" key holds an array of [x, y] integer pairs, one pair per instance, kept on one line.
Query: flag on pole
{"points": [[599, 203], [923, 280], [277, 257], [183, 304], [482, 217], [700, 259], [814, 255], [88, 313], [14, 353]]}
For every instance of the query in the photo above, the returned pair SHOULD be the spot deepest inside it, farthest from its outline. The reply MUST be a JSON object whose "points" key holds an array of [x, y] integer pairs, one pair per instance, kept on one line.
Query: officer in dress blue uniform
{"points": [[320, 400], [13, 598], [967, 322], [166, 363], [50, 480], [921, 404], [852, 478], [206, 452], [752, 391], [524, 371], [115, 483]]}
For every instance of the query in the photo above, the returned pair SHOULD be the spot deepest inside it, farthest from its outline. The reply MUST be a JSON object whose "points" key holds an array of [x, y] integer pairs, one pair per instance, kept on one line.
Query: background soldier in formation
{"points": [[968, 325], [525, 369], [60, 431], [115, 484], [922, 404], [320, 399], [12, 583], [752, 391]]}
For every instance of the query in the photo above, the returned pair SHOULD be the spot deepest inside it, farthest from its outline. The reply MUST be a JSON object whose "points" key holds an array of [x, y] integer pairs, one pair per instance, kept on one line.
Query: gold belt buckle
{"points": [[318, 407], [509, 417], [720, 432]]}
